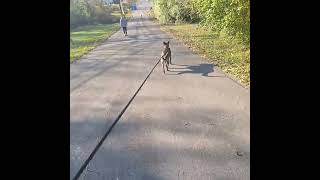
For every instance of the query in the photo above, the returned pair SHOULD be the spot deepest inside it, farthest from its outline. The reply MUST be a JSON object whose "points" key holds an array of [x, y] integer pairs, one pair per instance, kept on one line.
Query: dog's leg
{"points": [[167, 65], [163, 66]]}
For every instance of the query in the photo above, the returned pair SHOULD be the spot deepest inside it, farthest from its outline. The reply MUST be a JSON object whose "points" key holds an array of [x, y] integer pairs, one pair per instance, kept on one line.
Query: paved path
{"points": [[192, 123]]}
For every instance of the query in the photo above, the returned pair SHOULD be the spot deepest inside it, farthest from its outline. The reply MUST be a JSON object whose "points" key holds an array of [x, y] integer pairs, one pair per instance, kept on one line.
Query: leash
{"points": [[111, 127]]}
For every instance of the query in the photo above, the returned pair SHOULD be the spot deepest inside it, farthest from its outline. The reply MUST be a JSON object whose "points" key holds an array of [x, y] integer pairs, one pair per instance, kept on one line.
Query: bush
{"points": [[126, 7], [232, 16], [114, 7], [86, 12], [174, 11], [79, 12]]}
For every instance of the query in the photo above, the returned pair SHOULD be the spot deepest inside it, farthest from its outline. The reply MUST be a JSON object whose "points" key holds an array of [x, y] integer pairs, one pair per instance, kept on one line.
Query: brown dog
{"points": [[166, 56]]}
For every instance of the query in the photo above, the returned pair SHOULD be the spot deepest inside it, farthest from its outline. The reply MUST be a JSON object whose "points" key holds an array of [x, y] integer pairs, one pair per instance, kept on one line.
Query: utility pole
{"points": [[121, 8]]}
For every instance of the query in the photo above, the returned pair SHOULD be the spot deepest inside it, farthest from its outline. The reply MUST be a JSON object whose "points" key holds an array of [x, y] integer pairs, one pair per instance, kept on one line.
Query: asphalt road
{"points": [[191, 123]]}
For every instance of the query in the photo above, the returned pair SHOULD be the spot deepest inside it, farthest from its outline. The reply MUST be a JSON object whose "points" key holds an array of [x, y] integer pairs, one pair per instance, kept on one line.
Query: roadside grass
{"points": [[86, 38], [228, 54], [116, 14]]}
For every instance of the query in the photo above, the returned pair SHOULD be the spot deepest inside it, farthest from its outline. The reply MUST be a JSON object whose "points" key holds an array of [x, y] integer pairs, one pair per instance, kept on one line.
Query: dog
{"points": [[166, 56]]}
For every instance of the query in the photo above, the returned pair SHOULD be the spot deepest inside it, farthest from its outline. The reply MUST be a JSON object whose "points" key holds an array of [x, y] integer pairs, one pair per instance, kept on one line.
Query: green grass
{"points": [[86, 38], [116, 13], [228, 54]]}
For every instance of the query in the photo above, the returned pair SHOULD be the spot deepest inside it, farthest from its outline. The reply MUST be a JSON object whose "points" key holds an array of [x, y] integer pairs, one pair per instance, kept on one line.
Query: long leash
{"points": [[111, 127]]}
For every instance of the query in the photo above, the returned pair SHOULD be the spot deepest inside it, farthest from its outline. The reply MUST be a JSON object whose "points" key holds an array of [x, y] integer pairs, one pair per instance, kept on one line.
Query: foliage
{"points": [[231, 16], [85, 12], [174, 11]]}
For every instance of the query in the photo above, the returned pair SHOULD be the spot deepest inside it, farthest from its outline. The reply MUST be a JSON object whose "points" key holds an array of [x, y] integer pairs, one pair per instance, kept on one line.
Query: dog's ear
{"points": [[168, 42], [164, 43]]}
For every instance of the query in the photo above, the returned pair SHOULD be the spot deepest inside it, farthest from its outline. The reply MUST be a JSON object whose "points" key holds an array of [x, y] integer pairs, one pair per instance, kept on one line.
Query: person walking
{"points": [[123, 24]]}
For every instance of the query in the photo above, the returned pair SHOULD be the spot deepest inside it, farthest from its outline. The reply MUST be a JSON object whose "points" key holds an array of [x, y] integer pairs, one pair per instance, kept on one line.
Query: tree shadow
{"points": [[98, 67], [138, 38], [138, 19]]}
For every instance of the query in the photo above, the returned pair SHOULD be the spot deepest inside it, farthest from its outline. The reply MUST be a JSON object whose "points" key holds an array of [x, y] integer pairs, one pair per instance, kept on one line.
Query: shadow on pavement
{"points": [[203, 69], [145, 146]]}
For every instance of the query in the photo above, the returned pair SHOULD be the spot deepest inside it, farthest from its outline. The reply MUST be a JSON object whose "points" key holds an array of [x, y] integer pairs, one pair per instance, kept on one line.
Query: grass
{"points": [[228, 54], [86, 38], [116, 13]]}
